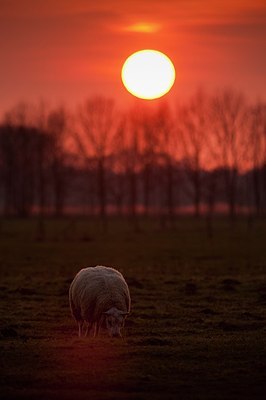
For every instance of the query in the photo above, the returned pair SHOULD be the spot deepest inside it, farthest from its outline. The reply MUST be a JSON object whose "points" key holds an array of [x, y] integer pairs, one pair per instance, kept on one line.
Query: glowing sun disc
{"points": [[148, 74]]}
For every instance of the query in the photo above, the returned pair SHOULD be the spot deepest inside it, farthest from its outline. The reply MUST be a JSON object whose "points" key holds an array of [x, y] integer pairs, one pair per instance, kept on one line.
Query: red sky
{"points": [[67, 50]]}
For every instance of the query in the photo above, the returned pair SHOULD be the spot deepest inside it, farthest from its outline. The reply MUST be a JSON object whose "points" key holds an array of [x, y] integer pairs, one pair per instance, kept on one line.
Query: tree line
{"points": [[205, 154]]}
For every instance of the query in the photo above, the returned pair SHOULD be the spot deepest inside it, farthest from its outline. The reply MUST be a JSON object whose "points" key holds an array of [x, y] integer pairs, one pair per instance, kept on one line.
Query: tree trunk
{"points": [[102, 193]]}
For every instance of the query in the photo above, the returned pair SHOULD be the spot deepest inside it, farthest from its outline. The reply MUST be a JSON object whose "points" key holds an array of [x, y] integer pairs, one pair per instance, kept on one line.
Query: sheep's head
{"points": [[115, 320]]}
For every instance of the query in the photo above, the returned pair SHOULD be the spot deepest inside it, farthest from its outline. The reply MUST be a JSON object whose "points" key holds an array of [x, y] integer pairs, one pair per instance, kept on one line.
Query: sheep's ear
{"points": [[124, 313]]}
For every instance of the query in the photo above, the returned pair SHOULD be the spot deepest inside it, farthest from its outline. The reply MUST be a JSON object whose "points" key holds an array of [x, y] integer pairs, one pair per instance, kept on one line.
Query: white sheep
{"points": [[97, 294]]}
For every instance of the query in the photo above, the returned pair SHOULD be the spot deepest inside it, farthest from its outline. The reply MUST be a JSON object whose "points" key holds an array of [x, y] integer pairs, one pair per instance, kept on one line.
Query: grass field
{"points": [[197, 327]]}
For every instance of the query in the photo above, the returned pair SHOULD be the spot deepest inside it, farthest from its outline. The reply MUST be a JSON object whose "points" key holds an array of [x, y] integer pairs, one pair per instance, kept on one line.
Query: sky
{"points": [[68, 50]]}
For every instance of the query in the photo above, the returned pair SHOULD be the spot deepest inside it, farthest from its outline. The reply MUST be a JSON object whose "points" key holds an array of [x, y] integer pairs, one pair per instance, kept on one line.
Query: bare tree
{"points": [[7, 160], [18, 168], [132, 163], [257, 152], [150, 150], [167, 153], [117, 167], [43, 161], [192, 128], [21, 146], [95, 139], [229, 144], [28, 147], [57, 129], [140, 146]]}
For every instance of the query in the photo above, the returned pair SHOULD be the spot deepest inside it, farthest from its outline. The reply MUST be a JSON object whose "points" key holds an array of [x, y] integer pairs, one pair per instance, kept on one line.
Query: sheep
{"points": [[97, 295]]}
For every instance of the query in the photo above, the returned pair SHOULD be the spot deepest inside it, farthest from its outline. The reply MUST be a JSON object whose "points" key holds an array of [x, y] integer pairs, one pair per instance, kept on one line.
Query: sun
{"points": [[148, 74]]}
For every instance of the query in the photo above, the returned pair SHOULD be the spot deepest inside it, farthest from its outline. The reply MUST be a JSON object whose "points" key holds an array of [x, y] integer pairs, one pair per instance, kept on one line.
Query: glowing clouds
{"points": [[143, 27]]}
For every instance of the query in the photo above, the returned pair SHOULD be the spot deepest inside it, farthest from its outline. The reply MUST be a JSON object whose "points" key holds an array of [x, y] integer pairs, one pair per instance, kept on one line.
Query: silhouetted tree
{"points": [[229, 140], [17, 144], [192, 128], [215, 148], [132, 164], [95, 138], [24, 144], [257, 151], [168, 151], [117, 164], [57, 129], [150, 151], [210, 196]]}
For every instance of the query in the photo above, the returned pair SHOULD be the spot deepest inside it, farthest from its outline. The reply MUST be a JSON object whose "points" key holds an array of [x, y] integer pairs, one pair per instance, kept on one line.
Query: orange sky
{"points": [[67, 50]]}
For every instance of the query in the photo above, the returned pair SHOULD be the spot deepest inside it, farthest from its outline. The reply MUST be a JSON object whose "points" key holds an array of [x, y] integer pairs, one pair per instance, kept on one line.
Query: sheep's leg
{"points": [[80, 324], [96, 328], [88, 328]]}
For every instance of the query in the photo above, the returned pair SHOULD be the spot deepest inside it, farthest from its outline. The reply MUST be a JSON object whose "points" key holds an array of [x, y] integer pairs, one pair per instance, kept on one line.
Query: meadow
{"points": [[197, 326]]}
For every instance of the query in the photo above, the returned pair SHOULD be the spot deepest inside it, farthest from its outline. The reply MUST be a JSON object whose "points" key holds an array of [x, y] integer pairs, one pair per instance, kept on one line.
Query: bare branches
{"points": [[193, 132], [147, 160]]}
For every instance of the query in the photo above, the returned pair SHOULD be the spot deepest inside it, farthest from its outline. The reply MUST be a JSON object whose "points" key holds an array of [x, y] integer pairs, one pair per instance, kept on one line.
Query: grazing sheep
{"points": [[99, 294]]}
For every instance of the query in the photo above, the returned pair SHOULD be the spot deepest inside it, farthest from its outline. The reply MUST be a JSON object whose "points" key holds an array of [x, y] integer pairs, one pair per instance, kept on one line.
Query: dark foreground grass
{"points": [[197, 328]]}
